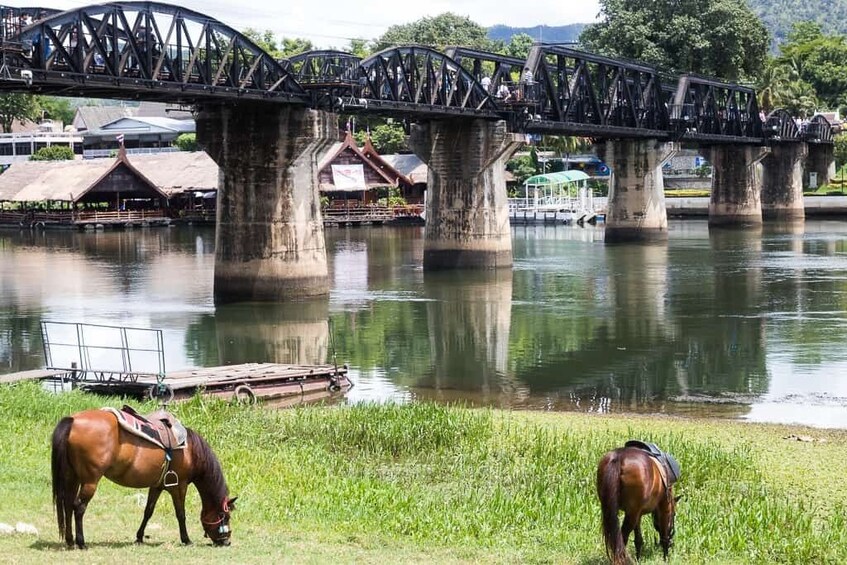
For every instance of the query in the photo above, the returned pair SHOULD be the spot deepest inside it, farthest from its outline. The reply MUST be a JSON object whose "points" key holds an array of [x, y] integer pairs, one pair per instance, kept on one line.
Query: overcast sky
{"points": [[334, 22]]}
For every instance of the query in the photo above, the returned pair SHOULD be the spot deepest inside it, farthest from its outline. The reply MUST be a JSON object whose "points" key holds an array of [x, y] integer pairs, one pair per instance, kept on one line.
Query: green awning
{"points": [[562, 177]]}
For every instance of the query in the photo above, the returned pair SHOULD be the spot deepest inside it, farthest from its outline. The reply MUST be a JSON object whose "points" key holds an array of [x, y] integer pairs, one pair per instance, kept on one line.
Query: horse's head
{"points": [[216, 522], [663, 520]]}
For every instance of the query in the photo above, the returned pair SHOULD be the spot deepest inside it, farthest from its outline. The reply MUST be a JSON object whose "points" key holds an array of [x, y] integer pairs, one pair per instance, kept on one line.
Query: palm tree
{"points": [[563, 146], [772, 82]]}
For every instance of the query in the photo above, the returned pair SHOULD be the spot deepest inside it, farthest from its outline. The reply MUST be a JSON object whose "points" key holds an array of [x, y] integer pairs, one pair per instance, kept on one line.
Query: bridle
{"points": [[222, 528]]}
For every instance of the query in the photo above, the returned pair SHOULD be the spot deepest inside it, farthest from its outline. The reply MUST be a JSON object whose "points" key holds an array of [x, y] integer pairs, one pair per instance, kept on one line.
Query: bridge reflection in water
{"points": [[738, 323]]}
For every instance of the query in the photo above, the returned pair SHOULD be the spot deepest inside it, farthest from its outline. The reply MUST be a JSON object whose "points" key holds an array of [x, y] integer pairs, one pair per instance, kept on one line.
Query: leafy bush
{"points": [[53, 153], [390, 196], [186, 142]]}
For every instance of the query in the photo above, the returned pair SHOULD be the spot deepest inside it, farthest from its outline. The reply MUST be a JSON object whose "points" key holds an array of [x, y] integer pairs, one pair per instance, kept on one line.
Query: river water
{"points": [[736, 324]]}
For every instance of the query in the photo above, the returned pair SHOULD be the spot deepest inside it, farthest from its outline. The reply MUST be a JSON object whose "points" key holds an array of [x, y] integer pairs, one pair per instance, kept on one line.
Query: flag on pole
{"points": [[120, 138]]}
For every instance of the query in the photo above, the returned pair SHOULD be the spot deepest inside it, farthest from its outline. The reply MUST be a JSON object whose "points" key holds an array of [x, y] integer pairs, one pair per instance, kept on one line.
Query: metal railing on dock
{"points": [[101, 353]]}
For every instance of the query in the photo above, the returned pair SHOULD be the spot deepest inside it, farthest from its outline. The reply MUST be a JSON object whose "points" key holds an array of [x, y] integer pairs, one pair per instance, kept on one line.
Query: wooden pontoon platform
{"points": [[245, 382]]}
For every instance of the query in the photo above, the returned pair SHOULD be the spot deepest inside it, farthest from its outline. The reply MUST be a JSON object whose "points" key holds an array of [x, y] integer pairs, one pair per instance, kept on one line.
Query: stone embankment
{"points": [[816, 206]]}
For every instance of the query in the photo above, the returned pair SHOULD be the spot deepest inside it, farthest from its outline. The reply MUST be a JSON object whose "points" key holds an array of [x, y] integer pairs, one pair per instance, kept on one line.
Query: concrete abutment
{"points": [[269, 242]]}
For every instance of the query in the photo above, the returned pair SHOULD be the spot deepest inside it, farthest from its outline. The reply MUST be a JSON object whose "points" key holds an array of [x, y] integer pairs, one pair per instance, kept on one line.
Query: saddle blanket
{"points": [[159, 428]]}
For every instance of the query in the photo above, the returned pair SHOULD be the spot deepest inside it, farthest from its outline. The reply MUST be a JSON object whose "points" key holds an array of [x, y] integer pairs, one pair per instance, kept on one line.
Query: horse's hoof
{"points": [[186, 542]]}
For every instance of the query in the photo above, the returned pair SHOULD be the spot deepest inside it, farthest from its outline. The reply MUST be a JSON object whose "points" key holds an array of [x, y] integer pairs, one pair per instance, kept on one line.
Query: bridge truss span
{"points": [[161, 52], [711, 111], [818, 131], [576, 87], [143, 50], [415, 79]]}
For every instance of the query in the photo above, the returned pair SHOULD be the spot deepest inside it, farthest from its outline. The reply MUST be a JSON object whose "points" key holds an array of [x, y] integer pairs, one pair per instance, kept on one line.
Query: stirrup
{"points": [[171, 479]]}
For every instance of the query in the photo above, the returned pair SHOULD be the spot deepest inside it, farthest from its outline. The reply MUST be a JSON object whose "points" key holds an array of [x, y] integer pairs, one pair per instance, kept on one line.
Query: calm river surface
{"points": [[736, 324]]}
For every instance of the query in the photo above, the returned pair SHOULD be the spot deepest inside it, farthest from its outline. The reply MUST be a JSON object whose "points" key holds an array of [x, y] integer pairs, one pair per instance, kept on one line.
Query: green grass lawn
{"points": [[429, 483]]}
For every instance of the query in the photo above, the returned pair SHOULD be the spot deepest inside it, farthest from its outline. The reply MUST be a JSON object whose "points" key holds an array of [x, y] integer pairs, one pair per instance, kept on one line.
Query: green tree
{"points": [[799, 98], [721, 38], [771, 85], [56, 108], [53, 153], [186, 142], [17, 107], [386, 138], [840, 151], [295, 46], [438, 32], [359, 47], [819, 60], [522, 167], [519, 45], [278, 48], [264, 39], [565, 144]]}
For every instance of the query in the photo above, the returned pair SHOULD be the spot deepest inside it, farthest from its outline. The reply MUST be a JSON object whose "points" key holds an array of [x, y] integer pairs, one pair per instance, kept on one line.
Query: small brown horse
{"points": [[629, 479], [90, 445]]}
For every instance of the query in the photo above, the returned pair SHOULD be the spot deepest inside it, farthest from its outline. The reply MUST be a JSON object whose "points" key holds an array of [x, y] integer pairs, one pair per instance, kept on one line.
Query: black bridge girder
{"points": [[124, 48], [154, 51], [708, 108]]}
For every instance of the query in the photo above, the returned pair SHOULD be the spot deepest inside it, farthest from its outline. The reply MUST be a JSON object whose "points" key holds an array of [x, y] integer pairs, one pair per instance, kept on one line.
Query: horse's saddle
{"points": [[159, 428], [667, 460]]}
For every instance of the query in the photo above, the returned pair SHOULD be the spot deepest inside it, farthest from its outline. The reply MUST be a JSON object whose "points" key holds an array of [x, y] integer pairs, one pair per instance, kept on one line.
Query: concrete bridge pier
{"points": [[269, 244], [782, 183], [821, 162], [636, 209], [736, 185], [467, 214]]}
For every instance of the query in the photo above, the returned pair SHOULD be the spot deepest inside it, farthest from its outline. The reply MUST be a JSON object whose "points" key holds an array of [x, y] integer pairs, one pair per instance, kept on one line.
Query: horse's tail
{"points": [[608, 489], [64, 478]]}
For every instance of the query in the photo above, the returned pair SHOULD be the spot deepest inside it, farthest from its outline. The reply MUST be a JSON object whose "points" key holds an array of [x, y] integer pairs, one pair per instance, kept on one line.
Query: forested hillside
{"points": [[780, 15]]}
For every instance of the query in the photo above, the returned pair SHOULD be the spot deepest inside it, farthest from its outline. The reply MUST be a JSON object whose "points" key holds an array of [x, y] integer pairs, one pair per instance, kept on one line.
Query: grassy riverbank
{"points": [[436, 484]]}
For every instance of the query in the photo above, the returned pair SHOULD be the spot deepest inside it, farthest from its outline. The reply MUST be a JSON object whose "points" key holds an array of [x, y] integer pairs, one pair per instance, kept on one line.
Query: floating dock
{"points": [[245, 383], [123, 361]]}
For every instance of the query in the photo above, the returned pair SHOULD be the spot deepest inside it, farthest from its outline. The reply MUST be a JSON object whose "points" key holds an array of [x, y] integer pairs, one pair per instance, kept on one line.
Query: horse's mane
{"points": [[210, 476]]}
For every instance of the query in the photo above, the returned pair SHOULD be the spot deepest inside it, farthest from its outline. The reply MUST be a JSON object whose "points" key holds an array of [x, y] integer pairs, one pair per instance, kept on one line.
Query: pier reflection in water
{"points": [[731, 322]]}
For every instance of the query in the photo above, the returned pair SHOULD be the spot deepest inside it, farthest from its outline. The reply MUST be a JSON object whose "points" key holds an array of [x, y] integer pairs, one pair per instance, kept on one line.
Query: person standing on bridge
{"points": [[528, 80], [486, 83], [503, 92]]}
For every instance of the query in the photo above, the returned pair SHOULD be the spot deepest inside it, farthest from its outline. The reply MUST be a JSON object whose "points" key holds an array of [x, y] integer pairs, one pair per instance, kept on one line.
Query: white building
{"points": [[17, 147]]}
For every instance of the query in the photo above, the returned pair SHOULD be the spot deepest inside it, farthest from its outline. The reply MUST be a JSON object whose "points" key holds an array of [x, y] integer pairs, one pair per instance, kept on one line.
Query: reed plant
{"points": [[431, 483]]}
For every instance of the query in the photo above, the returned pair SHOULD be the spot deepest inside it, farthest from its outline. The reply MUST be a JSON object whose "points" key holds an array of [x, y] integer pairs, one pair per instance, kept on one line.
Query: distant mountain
{"points": [[780, 15], [548, 34]]}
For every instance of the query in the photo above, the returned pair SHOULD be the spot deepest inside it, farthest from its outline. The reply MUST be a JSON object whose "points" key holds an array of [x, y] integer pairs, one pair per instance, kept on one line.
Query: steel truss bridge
{"points": [[161, 52]]}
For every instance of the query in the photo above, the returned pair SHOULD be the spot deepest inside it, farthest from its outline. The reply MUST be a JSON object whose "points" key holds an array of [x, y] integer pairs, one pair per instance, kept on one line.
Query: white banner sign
{"points": [[348, 177]]}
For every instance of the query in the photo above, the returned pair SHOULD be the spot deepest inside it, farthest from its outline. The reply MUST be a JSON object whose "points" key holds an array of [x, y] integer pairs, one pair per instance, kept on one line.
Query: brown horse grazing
{"points": [[90, 445], [631, 480]]}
